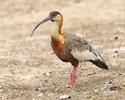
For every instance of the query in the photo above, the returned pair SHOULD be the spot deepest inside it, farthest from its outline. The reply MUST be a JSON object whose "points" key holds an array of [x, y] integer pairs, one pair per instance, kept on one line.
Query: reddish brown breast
{"points": [[57, 44]]}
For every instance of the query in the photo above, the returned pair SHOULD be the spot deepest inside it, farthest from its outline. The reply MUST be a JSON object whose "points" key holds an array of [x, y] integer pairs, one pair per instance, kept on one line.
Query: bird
{"points": [[69, 47]]}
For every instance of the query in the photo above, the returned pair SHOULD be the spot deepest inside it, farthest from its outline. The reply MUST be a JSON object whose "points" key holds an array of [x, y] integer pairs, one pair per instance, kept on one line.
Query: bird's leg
{"points": [[72, 76]]}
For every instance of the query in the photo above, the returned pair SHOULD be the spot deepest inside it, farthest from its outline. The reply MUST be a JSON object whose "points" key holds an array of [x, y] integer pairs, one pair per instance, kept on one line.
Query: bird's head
{"points": [[54, 16]]}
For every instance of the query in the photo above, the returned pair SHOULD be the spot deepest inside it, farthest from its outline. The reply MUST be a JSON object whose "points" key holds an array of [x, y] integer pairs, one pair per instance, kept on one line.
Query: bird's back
{"points": [[76, 48]]}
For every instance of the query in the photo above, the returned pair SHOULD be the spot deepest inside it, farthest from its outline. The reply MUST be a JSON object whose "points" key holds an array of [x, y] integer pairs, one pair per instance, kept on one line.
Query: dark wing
{"points": [[82, 51]]}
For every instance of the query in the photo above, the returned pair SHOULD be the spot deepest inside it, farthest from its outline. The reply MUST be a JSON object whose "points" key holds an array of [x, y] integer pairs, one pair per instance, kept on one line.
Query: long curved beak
{"points": [[43, 21]]}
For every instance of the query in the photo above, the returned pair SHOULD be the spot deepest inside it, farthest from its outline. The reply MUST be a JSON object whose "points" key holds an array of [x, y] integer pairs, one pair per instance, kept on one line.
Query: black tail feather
{"points": [[99, 64]]}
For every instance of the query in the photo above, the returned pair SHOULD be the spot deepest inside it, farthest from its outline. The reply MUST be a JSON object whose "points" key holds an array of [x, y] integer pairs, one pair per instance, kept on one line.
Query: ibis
{"points": [[70, 47]]}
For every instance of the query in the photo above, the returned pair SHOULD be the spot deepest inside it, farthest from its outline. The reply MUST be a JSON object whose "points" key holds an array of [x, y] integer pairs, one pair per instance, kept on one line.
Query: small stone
{"points": [[96, 90], [108, 82], [33, 12], [47, 74], [111, 90], [91, 73], [67, 86], [108, 91], [40, 94], [104, 88], [24, 60], [63, 97], [116, 37], [56, 89], [116, 51], [41, 89], [115, 88]]}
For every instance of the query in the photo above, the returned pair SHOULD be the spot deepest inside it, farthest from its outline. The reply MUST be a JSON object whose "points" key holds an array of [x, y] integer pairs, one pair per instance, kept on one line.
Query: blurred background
{"points": [[29, 70]]}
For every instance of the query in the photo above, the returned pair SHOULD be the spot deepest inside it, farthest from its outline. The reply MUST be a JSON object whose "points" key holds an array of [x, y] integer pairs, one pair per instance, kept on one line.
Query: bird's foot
{"points": [[71, 86]]}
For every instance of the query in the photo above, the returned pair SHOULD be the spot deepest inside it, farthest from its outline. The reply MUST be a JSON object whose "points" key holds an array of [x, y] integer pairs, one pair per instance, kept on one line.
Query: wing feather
{"points": [[82, 51]]}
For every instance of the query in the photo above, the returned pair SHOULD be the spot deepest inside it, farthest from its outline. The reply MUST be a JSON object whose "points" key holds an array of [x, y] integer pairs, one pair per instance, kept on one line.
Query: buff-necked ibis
{"points": [[71, 48]]}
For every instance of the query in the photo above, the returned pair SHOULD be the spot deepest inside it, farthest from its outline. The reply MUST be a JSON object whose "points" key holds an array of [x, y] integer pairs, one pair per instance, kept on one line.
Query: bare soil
{"points": [[29, 69]]}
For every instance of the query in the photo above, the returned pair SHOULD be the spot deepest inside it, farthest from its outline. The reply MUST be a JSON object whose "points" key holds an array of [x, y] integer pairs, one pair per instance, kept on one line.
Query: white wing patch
{"points": [[84, 55]]}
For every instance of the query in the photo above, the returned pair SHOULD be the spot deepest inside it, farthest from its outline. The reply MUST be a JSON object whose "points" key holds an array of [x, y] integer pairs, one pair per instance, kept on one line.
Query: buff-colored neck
{"points": [[57, 25]]}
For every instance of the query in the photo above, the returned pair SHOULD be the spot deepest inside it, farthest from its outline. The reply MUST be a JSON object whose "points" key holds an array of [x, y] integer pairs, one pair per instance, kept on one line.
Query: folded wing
{"points": [[82, 51]]}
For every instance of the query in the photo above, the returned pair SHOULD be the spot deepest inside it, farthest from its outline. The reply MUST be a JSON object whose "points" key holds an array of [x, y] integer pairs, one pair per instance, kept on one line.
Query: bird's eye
{"points": [[53, 14]]}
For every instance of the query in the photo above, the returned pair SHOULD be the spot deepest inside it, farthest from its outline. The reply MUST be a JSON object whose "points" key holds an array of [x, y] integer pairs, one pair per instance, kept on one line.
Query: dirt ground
{"points": [[29, 69]]}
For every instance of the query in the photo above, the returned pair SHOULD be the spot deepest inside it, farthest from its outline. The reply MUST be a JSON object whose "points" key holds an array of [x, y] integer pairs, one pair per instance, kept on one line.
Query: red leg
{"points": [[72, 77]]}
